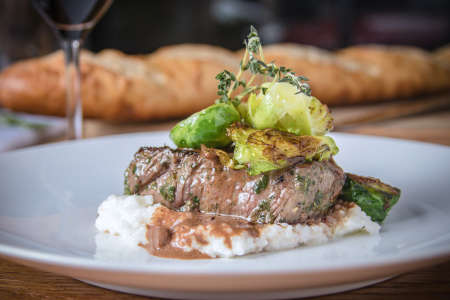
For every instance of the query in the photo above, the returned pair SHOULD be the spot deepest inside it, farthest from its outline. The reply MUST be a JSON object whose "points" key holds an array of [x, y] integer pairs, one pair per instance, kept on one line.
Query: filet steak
{"points": [[191, 180]]}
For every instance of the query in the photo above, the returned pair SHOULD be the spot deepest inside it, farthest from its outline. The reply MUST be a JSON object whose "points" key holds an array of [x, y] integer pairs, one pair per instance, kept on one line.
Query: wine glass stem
{"points": [[74, 111]]}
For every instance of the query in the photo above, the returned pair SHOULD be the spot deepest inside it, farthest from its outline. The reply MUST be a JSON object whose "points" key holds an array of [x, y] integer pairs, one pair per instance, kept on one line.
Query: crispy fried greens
{"points": [[269, 149], [373, 196]]}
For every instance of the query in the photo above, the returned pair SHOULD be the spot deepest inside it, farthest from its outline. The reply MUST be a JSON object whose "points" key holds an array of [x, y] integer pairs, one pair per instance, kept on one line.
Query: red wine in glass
{"points": [[72, 20]]}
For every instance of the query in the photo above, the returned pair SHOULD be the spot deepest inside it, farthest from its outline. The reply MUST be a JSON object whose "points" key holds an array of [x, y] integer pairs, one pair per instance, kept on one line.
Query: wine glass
{"points": [[72, 20]]}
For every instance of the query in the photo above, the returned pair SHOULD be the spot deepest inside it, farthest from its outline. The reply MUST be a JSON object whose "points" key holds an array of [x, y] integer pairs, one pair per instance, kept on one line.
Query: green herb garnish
{"points": [[263, 213], [318, 197], [304, 183], [11, 120], [168, 192], [253, 61], [261, 184], [195, 202]]}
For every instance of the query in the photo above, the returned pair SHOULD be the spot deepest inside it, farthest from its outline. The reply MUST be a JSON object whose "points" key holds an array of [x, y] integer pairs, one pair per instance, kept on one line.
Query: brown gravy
{"points": [[170, 230]]}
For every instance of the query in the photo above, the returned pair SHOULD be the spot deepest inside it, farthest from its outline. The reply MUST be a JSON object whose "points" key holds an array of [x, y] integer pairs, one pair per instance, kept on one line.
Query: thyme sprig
{"points": [[253, 61], [13, 120]]}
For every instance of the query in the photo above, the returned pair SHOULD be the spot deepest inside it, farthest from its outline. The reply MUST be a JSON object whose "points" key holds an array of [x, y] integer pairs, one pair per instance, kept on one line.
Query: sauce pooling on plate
{"points": [[170, 233]]}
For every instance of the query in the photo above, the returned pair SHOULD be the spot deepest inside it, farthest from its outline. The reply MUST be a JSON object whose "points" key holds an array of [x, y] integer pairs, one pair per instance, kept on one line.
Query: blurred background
{"points": [[141, 26]]}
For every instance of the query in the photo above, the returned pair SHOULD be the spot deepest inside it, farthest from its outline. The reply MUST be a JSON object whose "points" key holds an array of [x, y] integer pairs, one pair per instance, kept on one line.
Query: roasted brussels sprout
{"points": [[225, 158], [206, 127], [270, 149], [373, 196], [281, 107]]}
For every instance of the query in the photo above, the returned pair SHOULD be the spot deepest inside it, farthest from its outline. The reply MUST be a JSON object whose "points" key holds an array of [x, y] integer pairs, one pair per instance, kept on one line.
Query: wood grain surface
{"points": [[24, 283], [18, 282]]}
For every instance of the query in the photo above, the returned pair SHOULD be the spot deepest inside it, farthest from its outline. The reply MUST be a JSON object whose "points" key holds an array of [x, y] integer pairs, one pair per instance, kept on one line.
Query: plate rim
{"points": [[20, 253]]}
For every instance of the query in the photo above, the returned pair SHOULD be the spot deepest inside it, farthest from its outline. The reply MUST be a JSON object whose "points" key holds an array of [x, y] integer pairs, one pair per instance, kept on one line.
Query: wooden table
{"points": [[24, 283]]}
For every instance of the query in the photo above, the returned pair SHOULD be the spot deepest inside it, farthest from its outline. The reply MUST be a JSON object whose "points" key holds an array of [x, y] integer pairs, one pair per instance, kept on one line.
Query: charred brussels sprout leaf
{"points": [[269, 149], [282, 107], [373, 196], [206, 127], [225, 158]]}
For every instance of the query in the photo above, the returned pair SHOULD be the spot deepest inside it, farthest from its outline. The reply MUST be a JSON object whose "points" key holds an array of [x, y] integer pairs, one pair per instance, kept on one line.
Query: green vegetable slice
{"points": [[373, 196], [270, 149], [206, 127]]}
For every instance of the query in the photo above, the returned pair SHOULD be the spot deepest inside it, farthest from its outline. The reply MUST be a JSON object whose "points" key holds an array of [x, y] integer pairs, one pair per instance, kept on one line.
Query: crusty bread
{"points": [[111, 85], [178, 80], [404, 71], [363, 74], [191, 71], [333, 80], [116, 86], [34, 85], [442, 55]]}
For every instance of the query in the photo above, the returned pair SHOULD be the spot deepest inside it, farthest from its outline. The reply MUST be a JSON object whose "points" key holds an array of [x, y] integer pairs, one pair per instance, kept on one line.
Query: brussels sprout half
{"points": [[206, 127], [373, 196], [270, 149], [280, 106]]}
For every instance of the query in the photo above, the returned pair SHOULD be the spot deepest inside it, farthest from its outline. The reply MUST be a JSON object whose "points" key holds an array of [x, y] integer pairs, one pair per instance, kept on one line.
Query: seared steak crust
{"points": [[190, 180]]}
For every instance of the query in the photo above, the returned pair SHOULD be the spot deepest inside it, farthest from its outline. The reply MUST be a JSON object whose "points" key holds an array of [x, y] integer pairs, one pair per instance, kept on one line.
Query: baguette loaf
{"points": [[404, 71], [111, 85], [178, 80], [191, 71], [363, 74], [174, 82], [334, 80], [442, 55]]}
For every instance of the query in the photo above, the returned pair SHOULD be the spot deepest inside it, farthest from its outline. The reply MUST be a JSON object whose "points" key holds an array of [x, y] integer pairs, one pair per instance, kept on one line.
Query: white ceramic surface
{"points": [[14, 136], [49, 196]]}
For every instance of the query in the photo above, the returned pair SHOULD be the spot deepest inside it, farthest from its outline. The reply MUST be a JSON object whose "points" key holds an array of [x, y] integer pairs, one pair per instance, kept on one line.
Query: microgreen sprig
{"points": [[253, 61]]}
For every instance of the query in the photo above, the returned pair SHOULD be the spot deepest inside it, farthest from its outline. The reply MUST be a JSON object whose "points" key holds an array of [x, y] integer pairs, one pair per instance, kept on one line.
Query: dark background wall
{"points": [[141, 26]]}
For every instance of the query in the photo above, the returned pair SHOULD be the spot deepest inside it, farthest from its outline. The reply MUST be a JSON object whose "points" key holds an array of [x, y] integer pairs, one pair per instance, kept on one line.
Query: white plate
{"points": [[49, 197], [18, 130]]}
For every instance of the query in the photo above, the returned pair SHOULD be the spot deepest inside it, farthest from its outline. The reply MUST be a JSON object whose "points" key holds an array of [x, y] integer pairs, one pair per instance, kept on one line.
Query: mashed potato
{"points": [[130, 216]]}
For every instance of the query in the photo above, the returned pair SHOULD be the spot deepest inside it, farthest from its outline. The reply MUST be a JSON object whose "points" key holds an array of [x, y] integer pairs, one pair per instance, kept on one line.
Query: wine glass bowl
{"points": [[72, 20]]}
